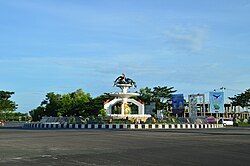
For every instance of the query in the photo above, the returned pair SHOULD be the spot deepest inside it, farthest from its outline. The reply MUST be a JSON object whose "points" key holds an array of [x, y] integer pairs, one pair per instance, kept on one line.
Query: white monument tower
{"points": [[124, 97]]}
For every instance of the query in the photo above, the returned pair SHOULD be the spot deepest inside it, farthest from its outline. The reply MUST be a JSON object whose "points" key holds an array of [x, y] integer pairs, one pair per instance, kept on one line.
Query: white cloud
{"points": [[187, 37]]}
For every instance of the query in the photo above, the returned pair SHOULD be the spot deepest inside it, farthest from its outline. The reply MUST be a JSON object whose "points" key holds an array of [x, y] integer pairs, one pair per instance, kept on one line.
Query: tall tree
{"points": [[79, 102], [145, 95], [37, 113], [242, 99], [159, 95], [96, 105], [6, 104], [52, 104], [71, 104]]}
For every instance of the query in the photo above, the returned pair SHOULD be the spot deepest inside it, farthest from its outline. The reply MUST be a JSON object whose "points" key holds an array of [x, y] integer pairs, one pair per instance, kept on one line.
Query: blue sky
{"points": [[60, 46]]}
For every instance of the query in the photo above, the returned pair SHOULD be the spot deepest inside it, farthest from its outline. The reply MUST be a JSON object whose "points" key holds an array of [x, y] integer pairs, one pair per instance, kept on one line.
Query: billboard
{"points": [[192, 99], [216, 100], [177, 103], [196, 104]]}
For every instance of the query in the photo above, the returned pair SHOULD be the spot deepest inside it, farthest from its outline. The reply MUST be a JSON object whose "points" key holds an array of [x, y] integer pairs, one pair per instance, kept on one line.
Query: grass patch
{"points": [[242, 124]]}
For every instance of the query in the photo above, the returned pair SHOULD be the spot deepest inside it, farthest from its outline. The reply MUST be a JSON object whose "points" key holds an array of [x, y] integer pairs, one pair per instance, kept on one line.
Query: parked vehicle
{"points": [[226, 121], [211, 120]]}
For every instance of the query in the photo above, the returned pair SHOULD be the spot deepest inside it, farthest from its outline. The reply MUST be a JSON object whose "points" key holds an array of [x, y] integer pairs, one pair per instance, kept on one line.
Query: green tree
{"points": [[6, 105], [103, 113], [16, 116], [66, 105], [52, 104], [71, 104], [80, 101], [159, 95], [96, 104], [37, 113], [242, 99], [146, 95]]}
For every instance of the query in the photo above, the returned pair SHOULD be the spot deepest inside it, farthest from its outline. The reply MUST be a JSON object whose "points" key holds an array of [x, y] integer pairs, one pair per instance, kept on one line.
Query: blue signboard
{"points": [[216, 100], [177, 103]]}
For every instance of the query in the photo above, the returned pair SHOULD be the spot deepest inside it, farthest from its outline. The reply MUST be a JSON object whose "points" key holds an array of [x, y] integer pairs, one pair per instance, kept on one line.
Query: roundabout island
{"points": [[119, 115]]}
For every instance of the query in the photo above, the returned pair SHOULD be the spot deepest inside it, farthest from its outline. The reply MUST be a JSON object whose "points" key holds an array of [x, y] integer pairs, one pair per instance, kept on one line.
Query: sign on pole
{"points": [[192, 99], [195, 105], [178, 103], [216, 100]]}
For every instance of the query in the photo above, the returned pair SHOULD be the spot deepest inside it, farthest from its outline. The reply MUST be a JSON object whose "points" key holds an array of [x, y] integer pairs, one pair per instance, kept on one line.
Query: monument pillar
{"points": [[124, 97]]}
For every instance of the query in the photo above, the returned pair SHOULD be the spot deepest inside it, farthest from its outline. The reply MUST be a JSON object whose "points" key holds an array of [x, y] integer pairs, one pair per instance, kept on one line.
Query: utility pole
{"points": [[222, 89]]}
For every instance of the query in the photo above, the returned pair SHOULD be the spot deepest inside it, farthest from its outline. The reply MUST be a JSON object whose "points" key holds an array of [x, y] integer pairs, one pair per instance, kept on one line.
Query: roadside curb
{"points": [[122, 126]]}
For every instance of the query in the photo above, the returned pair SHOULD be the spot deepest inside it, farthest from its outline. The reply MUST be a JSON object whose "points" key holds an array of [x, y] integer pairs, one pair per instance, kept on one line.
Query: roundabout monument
{"points": [[120, 108], [124, 100]]}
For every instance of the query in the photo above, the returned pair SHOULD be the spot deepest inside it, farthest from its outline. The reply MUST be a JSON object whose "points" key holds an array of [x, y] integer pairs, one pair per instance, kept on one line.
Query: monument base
{"points": [[130, 117]]}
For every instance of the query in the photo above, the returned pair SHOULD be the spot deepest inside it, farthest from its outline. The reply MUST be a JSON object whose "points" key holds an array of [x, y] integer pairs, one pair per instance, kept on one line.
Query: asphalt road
{"points": [[229, 146]]}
